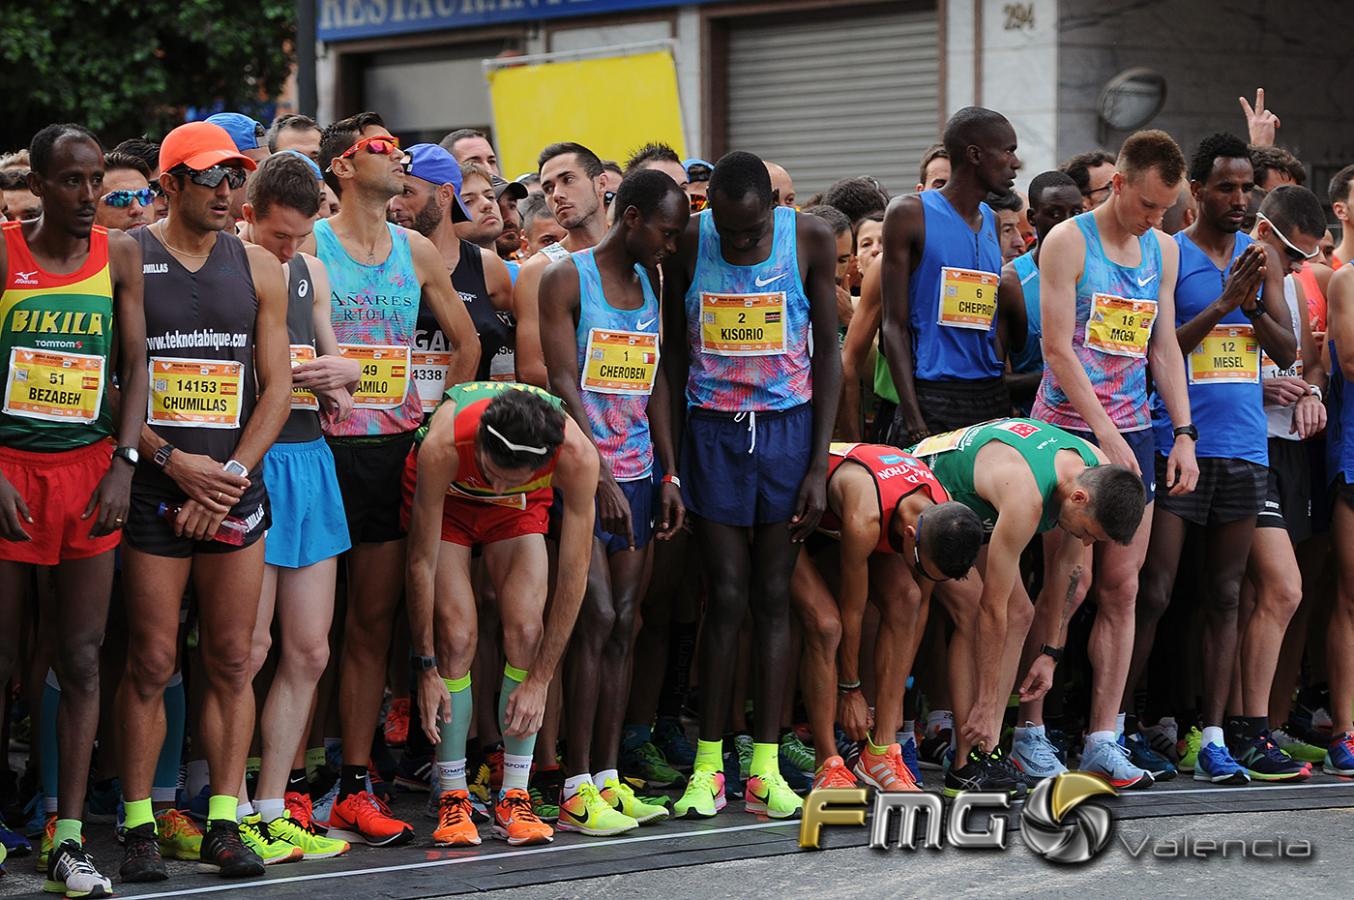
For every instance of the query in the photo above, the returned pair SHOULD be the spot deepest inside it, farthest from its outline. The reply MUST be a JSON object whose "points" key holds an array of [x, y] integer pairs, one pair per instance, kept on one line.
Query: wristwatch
{"points": [[161, 457], [422, 663], [1314, 390], [1188, 431], [1256, 312], [235, 467], [129, 454], [1055, 652]]}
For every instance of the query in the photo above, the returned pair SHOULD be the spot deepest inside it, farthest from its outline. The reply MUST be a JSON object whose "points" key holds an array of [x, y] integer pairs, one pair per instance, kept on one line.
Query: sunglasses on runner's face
{"points": [[210, 178], [120, 199], [378, 145], [1295, 254]]}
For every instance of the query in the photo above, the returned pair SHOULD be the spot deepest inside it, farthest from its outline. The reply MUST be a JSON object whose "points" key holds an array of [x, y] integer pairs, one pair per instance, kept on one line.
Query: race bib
{"points": [[1120, 327], [968, 298], [503, 367], [1270, 369], [743, 324], [507, 501], [385, 375], [430, 377], [300, 397], [54, 386], [198, 393], [1229, 354], [938, 443], [620, 362]]}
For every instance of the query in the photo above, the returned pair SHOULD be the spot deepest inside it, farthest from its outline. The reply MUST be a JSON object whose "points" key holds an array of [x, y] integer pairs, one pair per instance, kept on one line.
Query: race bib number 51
{"points": [[54, 386], [198, 393], [1120, 327], [743, 324]]}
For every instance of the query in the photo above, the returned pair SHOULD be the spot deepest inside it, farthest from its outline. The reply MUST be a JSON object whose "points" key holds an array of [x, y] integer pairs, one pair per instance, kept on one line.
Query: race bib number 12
{"points": [[1229, 354]]}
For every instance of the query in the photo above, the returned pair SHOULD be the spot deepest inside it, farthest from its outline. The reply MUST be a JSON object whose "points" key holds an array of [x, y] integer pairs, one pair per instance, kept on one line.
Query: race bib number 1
{"points": [[198, 393], [620, 362], [1229, 354], [1120, 327], [430, 377], [743, 324], [300, 397], [385, 375], [968, 298], [54, 386]]}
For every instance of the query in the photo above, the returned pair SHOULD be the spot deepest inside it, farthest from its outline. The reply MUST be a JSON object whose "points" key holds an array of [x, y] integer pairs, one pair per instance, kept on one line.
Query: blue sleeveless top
{"points": [[618, 409], [1031, 358], [950, 352], [1340, 404], [748, 326]]}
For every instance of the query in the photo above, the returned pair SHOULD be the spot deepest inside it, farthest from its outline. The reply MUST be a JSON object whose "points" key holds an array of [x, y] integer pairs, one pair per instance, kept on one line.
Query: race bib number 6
{"points": [[743, 324], [385, 375], [1120, 327], [54, 386], [198, 393], [968, 298]]}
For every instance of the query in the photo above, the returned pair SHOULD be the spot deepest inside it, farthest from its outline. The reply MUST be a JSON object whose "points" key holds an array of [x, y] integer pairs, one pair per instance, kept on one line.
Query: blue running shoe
{"points": [[733, 775], [197, 807], [15, 844], [1141, 754], [101, 806], [910, 760], [799, 781], [1034, 755], [1340, 756], [671, 738], [1215, 764], [1108, 760]]}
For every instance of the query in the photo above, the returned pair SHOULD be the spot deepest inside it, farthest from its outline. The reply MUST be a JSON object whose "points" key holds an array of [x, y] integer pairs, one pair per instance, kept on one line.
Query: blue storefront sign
{"points": [[341, 20]]}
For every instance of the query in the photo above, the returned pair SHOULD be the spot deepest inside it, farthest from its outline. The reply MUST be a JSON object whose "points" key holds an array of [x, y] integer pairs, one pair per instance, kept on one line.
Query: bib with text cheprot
{"points": [[743, 324], [300, 397], [620, 362], [1229, 354], [385, 375], [968, 298], [198, 393], [1120, 327], [54, 386], [430, 377]]}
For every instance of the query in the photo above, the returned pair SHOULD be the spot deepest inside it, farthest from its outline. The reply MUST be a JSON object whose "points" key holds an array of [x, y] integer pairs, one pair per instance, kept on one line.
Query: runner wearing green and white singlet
{"points": [[1023, 477]]}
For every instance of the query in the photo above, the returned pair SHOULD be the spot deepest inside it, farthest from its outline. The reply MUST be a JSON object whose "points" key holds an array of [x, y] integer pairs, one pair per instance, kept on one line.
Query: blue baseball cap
{"points": [[695, 164], [435, 165], [247, 133], [314, 166]]}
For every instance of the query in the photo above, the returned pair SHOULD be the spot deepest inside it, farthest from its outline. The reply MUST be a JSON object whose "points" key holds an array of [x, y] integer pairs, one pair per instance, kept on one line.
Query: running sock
{"points": [[517, 751], [314, 760], [765, 759], [872, 748], [908, 733], [1095, 737], [352, 780], [270, 809], [222, 808], [454, 733], [166, 780], [516, 771], [139, 812], [571, 784], [1026, 730], [451, 775], [243, 809], [600, 779], [1213, 735], [48, 753], [252, 765], [297, 782], [66, 830], [709, 755], [198, 777], [1119, 725], [937, 720]]}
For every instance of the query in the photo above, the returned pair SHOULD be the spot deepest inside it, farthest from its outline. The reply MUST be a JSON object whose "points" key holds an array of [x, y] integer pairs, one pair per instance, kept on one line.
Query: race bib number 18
{"points": [[1120, 327]]}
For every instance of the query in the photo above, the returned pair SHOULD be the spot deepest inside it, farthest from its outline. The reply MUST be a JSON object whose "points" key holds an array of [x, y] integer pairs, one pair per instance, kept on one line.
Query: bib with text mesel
{"points": [[743, 324], [1120, 327], [620, 362], [968, 298], [198, 393], [385, 375], [300, 397], [54, 386], [1229, 354]]}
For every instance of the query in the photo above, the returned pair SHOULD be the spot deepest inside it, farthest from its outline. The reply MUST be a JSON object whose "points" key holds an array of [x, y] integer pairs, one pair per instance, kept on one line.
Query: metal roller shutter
{"points": [[831, 98]]}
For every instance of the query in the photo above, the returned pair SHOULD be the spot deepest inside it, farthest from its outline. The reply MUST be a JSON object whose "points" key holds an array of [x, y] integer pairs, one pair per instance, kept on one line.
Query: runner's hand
{"points": [[844, 308], [1260, 122], [205, 480], [1182, 470], [673, 514], [974, 729], [809, 505], [434, 704], [1248, 273], [326, 373], [1038, 680], [1283, 390], [1309, 417], [13, 513], [112, 497], [197, 522], [1117, 449], [613, 510], [853, 714], [337, 403], [526, 708]]}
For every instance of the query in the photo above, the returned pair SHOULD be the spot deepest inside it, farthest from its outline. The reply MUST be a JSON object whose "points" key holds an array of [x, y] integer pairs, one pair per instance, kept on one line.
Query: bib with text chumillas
{"points": [[743, 324], [620, 362], [968, 298], [1119, 326], [54, 386], [201, 393], [300, 397], [1228, 354], [385, 375]]}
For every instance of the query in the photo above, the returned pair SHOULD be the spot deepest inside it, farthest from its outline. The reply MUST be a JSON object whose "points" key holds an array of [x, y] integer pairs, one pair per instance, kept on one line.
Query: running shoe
{"points": [[101, 806], [515, 822], [770, 796], [703, 797], [847, 749], [141, 856], [455, 821], [936, 751], [588, 813], [670, 737], [285, 829], [833, 773], [983, 772], [1299, 750], [363, 819], [180, 838], [1264, 761], [886, 772], [15, 844], [1109, 760], [478, 777], [258, 836], [1034, 754], [324, 807], [301, 810], [546, 788], [643, 810], [397, 722], [647, 763], [1163, 737], [733, 777], [742, 745], [1215, 764], [197, 807], [377, 785], [799, 781], [45, 845], [910, 759], [72, 873], [1141, 754], [415, 773], [494, 757], [1187, 751], [224, 851], [793, 751], [1340, 757]]}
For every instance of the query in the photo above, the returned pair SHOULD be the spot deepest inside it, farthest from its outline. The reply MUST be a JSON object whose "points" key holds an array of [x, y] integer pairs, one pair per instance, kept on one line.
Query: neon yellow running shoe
{"points": [[769, 795], [703, 797], [257, 836], [587, 813], [48, 843], [1188, 749], [620, 796], [180, 838], [313, 846]]}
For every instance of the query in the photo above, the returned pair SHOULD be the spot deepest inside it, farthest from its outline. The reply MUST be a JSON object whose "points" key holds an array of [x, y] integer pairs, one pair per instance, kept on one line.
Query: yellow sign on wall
{"points": [[610, 105]]}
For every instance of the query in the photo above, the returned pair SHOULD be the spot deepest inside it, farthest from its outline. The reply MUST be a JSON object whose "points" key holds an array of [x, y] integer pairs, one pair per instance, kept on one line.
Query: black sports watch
{"points": [[129, 454], [422, 663], [1255, 312], [1055, 652], [1188, 431], [161, 457]]}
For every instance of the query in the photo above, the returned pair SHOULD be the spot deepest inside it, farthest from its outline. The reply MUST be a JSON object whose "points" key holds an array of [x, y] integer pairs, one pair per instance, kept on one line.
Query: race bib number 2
{"points": [[198, 393], [743, 324], [54, 386]]}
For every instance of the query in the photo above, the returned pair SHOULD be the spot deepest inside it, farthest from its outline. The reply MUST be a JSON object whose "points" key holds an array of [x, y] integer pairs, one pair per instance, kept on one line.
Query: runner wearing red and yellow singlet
{"points": [[71, 290], [877, 500]]}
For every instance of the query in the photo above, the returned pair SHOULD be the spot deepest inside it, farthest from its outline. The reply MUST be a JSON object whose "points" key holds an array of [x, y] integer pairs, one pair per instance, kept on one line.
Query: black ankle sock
{"points": [[352, 780], [297, 782]]}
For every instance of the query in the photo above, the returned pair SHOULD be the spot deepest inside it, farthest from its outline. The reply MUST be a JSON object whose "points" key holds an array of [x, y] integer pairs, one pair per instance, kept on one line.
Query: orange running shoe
{"points": [[516, 822], [397, 722], [302, 811], [834, 774], [362, 819], [455, 825], [886, 773]]}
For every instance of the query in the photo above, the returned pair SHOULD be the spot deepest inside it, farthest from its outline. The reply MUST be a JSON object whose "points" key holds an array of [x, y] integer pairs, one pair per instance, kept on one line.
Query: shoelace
{"points": [[703, 778], [519, 807], [301, 812], [77, 863], [173, 823], [1041, 750], [453, 809]]}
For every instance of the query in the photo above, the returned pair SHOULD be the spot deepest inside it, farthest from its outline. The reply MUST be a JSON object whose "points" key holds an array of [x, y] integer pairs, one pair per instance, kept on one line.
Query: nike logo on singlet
{"points": [[643, 325], [763, 282], [1144, 282]]}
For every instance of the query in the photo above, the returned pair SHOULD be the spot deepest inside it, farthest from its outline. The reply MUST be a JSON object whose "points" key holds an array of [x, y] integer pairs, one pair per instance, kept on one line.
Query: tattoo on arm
{"points": [[1073, 579]]}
